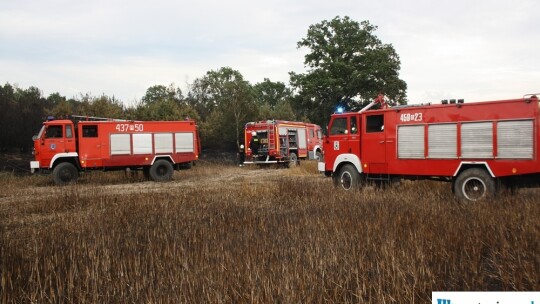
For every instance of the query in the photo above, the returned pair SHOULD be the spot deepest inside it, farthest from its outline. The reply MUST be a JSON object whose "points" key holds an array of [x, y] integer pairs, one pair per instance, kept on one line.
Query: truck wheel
{"points": [[293, 160], [473, 185], [348, 177], [65, 173], [161, 170]]}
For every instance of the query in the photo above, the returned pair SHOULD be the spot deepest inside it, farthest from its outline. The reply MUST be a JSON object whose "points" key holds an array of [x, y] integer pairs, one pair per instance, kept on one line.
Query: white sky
{"points": [[476, 50]]}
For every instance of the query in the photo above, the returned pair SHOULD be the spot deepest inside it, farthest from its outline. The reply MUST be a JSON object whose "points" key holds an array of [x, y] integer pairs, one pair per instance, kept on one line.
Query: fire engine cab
{"points": [[280, 141], [475, 146], [67, 147]]}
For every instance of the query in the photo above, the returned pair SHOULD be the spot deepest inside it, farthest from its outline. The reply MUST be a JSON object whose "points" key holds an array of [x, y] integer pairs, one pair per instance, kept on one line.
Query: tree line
{"points": [[347, 66]]}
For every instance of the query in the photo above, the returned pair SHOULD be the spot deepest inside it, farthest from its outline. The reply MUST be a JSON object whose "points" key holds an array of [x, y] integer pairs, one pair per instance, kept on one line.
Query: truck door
{"points": [[374, 144], [343, 136], [57, 138]]}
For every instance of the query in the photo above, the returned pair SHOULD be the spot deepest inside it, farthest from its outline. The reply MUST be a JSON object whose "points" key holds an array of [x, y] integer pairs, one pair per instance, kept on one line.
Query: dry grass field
{"points": [[222, 234]]}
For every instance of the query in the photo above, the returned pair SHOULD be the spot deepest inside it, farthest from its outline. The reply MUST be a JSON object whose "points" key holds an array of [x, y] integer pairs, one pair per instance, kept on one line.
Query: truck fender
{"points": [[162, 156], [62, 155], [348, 158], [317, 147], [475, 164]]}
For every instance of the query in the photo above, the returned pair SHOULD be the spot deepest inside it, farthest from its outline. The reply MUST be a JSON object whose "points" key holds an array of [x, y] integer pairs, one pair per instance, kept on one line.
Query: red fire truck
{"points": [[283, 141], [67, 147], [475, 146]]}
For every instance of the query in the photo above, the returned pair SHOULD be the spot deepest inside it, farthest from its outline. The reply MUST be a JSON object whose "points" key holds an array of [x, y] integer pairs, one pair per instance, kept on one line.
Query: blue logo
{"points": [[53, 146]]}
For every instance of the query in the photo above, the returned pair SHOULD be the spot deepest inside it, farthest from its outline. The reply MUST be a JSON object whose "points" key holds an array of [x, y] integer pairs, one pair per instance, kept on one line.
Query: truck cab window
{"points": [[89, 131], [69, 133], [375, 123], [339, 126], [54, 132]]}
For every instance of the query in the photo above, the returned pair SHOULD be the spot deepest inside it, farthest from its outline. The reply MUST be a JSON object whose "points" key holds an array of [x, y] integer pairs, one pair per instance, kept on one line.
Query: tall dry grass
{"points": [[220, 234]]}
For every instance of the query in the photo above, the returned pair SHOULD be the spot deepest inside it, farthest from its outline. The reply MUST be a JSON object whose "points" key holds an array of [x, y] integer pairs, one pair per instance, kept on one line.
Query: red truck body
{"points": [[283, 141], [496, 141], [115, 145]]}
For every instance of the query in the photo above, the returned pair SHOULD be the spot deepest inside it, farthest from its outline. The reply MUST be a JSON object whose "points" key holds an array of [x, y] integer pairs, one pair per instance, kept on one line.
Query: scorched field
{"points": [[218, 233]]}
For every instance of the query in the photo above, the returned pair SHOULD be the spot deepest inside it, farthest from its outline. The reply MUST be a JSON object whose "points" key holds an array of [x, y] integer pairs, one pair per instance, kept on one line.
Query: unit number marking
{"points": [[405, 117], [129, 127]]}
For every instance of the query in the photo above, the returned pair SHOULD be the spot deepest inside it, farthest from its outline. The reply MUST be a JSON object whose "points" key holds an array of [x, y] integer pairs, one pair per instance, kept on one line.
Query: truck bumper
{"points": [[34, 166], [320, 166]]}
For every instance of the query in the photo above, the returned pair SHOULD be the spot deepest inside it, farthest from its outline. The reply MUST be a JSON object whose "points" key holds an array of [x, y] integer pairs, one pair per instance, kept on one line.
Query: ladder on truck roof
{"points": [[94, 118]]}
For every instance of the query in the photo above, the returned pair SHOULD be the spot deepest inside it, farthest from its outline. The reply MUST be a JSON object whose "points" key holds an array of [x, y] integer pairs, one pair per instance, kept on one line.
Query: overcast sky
{"points": [[476, 50]]}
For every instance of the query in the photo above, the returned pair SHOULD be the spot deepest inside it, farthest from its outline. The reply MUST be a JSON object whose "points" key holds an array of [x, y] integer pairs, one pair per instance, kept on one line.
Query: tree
{"points": [[160, 92], [273, 100], [225, 101], [348, 66], [61, 107], [20, 118], [271, 93], [164, 103], [103, 106]]}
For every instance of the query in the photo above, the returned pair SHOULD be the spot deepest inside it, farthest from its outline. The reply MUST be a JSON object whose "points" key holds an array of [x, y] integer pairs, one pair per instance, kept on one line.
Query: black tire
{"points": [[65, 173], [348, 177], [474, 185], [293, 160], [162, 170]]}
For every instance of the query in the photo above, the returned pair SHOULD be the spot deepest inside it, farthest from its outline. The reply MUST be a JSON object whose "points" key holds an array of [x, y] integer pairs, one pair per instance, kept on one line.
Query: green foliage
{"points": [[164, 103], [274, 100], [283, 111], [102, 106], [20, 116], [271, 93], [159, 93], [348, 65], [227, 102], [61, 107]]}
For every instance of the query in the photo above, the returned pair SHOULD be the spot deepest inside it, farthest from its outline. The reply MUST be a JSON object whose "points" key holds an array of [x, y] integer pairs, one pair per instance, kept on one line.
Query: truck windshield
{"points": [[339, 126], [54, 132], [39, 134]]}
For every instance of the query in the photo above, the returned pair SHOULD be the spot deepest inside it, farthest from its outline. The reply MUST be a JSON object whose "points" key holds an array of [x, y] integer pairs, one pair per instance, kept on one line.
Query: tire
{"points": [[162, 170], [293, 160], [65, 173], [348, 178], [474, 185]]}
